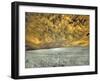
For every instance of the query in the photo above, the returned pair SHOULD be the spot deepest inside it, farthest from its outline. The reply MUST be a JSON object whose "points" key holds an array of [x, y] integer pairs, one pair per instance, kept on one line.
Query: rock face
{"points": [[47, 30]]}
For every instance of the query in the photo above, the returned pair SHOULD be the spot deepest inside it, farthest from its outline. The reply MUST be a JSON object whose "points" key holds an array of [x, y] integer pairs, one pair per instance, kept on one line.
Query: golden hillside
{"points": [[46, 30]]}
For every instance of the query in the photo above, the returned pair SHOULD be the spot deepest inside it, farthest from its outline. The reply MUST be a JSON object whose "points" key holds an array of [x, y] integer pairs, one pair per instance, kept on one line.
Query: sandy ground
{"points": [[57, 57]]}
